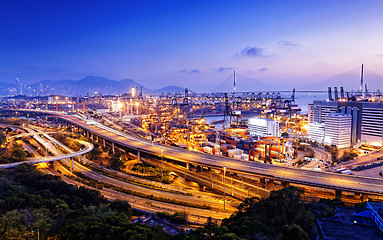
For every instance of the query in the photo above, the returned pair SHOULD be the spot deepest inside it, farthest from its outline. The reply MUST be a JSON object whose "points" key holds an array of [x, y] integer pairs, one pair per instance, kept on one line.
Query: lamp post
{"points": [[38, 233], [224, 189]]}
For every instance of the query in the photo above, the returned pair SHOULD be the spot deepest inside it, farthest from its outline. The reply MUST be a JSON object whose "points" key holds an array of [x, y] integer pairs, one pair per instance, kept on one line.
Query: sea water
{"points": [[302, 99]]}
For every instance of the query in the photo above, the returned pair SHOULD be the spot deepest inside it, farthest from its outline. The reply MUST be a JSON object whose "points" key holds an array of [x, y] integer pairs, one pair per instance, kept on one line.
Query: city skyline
{"points": [[189, 44]]}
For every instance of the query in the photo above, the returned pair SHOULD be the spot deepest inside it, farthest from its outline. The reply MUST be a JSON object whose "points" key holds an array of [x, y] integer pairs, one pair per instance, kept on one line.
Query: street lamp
{"points": [[224, 189], [38, 233]]}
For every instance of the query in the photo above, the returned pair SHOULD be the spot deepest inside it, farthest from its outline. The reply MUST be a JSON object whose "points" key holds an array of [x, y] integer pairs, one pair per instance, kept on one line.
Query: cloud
{"points": [[252, 52], [262, 69], [222, 69], [190, 71], [286, 43], [379, 55]]}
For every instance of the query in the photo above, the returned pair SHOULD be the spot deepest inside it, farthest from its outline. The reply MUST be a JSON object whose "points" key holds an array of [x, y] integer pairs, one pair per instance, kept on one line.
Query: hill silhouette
{"points": [[92, 84], [243, 84], [350, 80]]}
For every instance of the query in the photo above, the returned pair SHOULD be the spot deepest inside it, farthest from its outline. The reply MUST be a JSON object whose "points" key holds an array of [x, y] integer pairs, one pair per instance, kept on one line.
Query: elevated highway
{"points": [[338, 182], [88, 147], [29, 134]]}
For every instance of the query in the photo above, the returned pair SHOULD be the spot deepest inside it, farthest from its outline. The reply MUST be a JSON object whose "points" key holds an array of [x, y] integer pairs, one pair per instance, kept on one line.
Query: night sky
{"points": [[195, 44]]}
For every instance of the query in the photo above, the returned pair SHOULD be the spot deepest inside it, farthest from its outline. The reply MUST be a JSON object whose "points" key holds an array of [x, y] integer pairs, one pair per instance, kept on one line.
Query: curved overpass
{"points": [[88, 148], [287, 174], [30, 134]]}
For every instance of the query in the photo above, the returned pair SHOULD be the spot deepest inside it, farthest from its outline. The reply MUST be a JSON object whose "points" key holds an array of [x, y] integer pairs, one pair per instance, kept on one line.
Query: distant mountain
{"points": [[243, 84], [4, 87], [92, 84], [350, 80]]}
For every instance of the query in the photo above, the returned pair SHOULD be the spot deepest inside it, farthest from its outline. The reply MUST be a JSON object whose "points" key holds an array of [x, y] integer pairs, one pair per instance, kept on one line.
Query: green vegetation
{"points": [[309, 152], [132, 181], [13, 121], [177, 217], [333, 150], [154, 172], [2, 136], [348, 155], [96, 153], [69, 142], [281, 216], [15, 154], [115, 162], [31, 202], [269, 216]]}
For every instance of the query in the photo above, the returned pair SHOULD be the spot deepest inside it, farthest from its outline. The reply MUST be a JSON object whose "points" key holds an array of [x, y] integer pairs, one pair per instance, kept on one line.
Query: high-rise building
{"points": [[317, 112], [263, 127], [316, 132], [367, 118], [18, 87], [337, 130], [371, 125]]}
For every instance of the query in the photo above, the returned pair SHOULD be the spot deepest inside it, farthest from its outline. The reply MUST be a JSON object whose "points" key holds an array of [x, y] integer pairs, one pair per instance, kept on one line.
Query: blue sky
{"points": [[195, 44]]}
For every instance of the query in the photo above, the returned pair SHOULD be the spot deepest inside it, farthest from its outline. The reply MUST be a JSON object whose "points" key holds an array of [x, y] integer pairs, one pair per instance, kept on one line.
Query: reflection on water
{"points": [[301, 99]]}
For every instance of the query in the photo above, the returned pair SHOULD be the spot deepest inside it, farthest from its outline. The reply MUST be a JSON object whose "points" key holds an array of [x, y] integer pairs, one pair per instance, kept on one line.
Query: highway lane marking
{"points": [[214, 160]]}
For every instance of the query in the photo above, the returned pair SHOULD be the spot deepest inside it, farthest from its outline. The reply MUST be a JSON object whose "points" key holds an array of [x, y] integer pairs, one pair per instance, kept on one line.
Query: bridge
{"points": [[87, 148], [338, 182], [29, 134]]}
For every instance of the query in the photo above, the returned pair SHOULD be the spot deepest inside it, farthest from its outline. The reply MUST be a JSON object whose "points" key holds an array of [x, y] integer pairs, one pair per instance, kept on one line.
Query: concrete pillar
{"points": [[285, 184], [91, 136], [51, 165], [71, 161], [232, 187], [187, 166], [262, 181], [113, 147], [96, 138], [338, 194], [138, 156], [84, 159], [87, 134], [364, 197], [103, 142]]}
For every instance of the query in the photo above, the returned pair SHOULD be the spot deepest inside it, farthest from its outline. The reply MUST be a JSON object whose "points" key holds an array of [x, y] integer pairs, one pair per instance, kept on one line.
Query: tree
{"points": [[115, 162], [309, 152], [12, 226], [334, 153], [294, 232], [2, 138], [18, 154], [348, 155], [95, 153], [269, 215]]}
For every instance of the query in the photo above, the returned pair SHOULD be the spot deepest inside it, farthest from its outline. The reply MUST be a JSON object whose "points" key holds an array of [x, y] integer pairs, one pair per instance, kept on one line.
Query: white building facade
{"points": [[338, 129], [263, 127], [316, 132]]}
